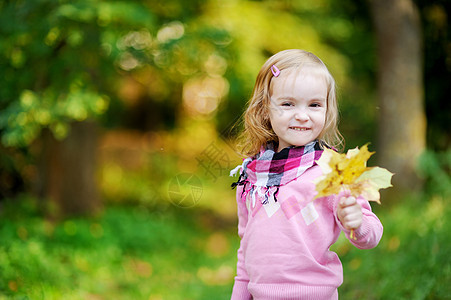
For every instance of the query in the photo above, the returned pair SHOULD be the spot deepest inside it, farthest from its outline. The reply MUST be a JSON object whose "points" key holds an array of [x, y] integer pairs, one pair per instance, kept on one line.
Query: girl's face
{"points": [[298, 107]]}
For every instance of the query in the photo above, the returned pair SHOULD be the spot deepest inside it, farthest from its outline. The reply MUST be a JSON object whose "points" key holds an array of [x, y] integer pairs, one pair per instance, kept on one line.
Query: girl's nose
{"points": [[301, 115]]}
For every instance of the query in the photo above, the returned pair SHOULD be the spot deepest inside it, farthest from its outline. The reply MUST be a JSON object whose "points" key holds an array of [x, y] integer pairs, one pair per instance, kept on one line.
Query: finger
{"points": [[351, 201], [346, 211], [347, 201], [354, 210], [352, 224], [349, 217], [350, 213]]}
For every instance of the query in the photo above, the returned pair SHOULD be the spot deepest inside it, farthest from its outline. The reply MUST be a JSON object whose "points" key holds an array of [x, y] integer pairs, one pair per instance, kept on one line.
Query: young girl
{"points": [[285, 234]]}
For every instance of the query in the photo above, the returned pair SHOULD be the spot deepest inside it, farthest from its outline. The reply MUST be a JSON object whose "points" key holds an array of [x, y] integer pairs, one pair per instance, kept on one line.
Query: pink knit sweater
{"points": [[284, 251]]}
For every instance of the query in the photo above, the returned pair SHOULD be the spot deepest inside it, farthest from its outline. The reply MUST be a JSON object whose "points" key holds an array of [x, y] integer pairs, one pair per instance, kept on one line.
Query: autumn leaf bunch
{"points": [[349, 172]]}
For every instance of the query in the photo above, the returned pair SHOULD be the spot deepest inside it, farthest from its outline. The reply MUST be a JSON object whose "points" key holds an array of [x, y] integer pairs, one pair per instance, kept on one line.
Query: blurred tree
{"points": [[67, 170], [436, 20], [57, 72], [65, 64], [402, 122]]}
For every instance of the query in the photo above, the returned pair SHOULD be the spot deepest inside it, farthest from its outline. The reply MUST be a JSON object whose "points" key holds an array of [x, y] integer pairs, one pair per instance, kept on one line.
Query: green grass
{"points": [[412, 261], [137, 252], [128, 253]]}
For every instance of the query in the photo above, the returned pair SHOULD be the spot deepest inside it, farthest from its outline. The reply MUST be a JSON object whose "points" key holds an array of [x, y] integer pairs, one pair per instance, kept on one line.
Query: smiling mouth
{"points": [[299, 128]]}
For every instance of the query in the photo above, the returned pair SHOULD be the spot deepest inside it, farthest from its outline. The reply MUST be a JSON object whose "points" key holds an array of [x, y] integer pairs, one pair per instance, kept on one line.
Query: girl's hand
{"points": [[349, 213]]}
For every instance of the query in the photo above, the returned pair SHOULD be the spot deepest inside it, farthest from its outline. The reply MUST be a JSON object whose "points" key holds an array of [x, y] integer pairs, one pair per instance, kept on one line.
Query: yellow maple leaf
{"points": [[350, 172], [374, 179]]}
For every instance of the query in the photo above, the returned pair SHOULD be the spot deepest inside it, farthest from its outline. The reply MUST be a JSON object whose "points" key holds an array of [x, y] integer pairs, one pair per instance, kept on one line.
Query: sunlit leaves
{"points": [[57, 65], [24, 119], [349, 172]]}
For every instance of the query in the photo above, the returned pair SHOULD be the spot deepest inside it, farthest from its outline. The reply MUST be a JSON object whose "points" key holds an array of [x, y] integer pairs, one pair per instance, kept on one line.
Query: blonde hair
{"points": [[257, 127]]}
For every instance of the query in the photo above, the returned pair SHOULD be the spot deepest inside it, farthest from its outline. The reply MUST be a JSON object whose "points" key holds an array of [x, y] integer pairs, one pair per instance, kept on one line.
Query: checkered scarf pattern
{"points": [[273, 169]]}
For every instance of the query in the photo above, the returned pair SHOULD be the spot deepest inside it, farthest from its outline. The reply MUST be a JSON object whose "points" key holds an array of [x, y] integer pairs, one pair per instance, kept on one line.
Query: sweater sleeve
{"points": [[240, 291], [369, 234]]}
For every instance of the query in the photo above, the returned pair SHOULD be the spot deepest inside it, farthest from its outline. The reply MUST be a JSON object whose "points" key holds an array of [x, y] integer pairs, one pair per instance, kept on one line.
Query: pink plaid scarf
{"points": [[269, 169]]}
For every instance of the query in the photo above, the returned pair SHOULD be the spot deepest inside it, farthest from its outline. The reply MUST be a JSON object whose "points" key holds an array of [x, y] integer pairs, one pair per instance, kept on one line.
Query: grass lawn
{"points": [[128, 253]]}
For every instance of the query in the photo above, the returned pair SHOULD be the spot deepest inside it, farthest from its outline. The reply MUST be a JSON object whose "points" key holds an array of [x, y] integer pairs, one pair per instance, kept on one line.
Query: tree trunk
{"points": [[67, 171], [402, 121]]}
